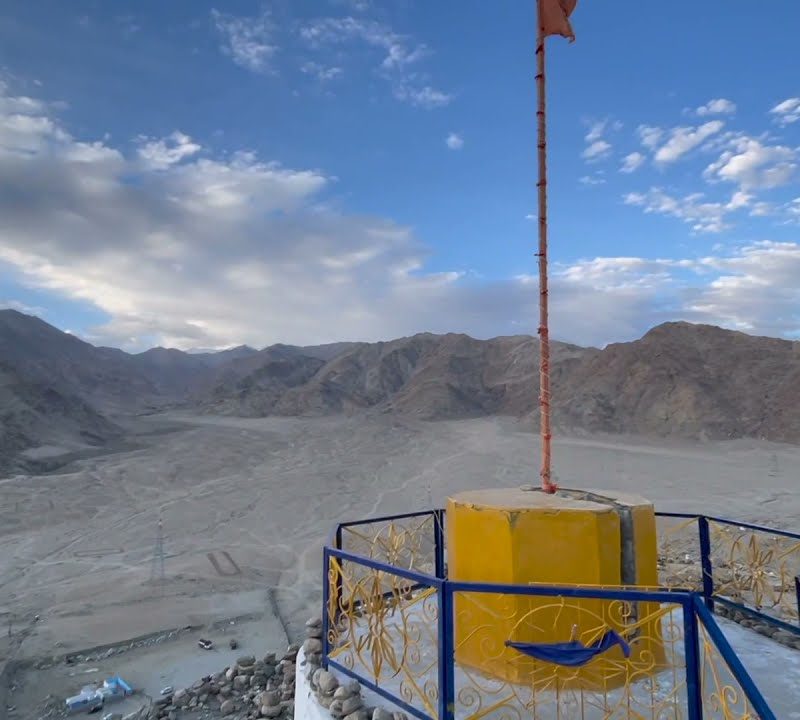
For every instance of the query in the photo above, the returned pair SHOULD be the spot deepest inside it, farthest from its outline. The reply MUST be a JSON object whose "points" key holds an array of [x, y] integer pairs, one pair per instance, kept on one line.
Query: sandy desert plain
{"points": [[77, 544]]}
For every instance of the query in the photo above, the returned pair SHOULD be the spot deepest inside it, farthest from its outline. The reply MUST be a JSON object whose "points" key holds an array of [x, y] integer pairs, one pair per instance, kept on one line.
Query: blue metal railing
{"points": [[732, 659], [701, 633], [714, 588]]}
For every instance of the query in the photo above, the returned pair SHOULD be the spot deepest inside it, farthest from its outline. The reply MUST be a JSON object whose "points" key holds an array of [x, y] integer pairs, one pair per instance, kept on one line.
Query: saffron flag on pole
{"points": [[555, 17]]}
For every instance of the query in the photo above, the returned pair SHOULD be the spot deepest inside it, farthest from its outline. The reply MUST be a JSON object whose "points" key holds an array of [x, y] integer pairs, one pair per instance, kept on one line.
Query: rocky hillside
{"points": [[695, 381], [681, 380], [34, 415], [430, 376], [108, 379]]}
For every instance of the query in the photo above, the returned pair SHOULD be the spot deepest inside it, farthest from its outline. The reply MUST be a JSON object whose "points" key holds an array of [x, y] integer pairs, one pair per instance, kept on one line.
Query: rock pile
{"points": [[249, 689], [343, 701], [264, 688]]}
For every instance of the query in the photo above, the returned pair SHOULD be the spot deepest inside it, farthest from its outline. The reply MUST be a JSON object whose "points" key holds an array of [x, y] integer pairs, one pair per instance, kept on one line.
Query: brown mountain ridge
{"points": [[679, 380]]}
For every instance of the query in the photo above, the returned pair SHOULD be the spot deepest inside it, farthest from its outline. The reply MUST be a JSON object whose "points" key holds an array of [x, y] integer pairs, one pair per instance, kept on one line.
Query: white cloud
{"points": [[211, 252], [753, 289], [424, 97], [718, 106], [596, 130], [597, 146], [247, 40], [632, 162], [454, 141], [24, 126], [597, 150], [787, 112], [592, 180], [683, 139], [183, 254], [753, 165], [21, 307], [161, 154], [649, 136], [323, 73], [762, 209], [398, 56], [399, 61], [355, 5], [702, 215], [739, 199]]}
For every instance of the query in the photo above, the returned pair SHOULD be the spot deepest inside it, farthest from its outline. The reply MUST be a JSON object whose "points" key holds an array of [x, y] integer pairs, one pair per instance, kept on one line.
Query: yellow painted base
{"points": [[572, 538]]}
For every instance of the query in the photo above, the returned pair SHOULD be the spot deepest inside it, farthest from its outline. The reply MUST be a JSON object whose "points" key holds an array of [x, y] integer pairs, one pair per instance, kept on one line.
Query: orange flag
{"points": [[555, 17]]}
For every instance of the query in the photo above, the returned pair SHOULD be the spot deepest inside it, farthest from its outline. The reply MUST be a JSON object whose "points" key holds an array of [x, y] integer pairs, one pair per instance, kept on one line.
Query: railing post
{"points": [[691, 640], [797, 594], [438, 536], [338, 591], [705, 562], [446, 654], [326, 562], [326, 594]]}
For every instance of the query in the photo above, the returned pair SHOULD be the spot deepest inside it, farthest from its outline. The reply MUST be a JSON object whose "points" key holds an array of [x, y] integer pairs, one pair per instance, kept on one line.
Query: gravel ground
{"points": [[246, 505]]}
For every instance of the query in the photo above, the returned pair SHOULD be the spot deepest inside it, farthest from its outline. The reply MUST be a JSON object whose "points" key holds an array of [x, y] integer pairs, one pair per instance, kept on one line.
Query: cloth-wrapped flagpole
{"points": [[552, 18]]}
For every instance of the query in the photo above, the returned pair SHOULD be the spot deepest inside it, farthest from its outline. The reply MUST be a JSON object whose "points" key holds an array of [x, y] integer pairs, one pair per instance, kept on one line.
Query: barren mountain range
{"points": [[681, 380]]}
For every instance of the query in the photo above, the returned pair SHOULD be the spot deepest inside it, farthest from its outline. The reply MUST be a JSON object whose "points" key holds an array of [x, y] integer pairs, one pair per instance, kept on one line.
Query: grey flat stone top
{"points": [[566, 499]]}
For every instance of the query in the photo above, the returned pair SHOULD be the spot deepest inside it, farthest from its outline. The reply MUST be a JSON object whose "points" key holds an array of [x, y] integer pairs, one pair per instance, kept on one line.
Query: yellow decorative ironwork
{"points": [[679, 554], [408, 543], [385, 628], [723, 697], [756, 568], [651, 684]]}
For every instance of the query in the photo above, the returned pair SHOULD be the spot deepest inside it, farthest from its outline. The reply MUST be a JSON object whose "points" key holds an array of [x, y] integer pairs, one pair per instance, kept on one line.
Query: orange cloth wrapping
{"points": [[555, 17]]}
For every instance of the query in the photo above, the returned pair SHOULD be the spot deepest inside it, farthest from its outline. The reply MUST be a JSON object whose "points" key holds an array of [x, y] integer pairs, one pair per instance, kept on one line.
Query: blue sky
{"points": [[205, 174]]}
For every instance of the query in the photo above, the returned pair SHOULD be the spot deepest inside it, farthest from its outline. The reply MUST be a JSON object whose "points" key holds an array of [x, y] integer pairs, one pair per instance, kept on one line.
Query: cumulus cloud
{"points": [[649, 136], [454, 141], [718, 106], [596, 130], [247, 40], [694, 209], [399, 61], [213, 252], [753, 289], [632, 162], [752, 164], [597, 147], [161, 154], [597, 150], [683, 139], [787, 112]]}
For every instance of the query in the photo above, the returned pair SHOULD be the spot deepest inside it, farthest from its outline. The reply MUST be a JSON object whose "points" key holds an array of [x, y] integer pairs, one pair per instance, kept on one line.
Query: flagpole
{"points": [[544, 337]]}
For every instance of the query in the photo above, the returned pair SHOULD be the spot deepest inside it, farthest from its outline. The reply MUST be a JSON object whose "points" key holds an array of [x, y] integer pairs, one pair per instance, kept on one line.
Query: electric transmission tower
{"points": [[157, 568]]}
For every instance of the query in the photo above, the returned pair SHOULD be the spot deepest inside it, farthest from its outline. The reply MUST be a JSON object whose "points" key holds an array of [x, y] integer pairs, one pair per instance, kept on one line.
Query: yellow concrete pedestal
{"points": [[584, 538]]}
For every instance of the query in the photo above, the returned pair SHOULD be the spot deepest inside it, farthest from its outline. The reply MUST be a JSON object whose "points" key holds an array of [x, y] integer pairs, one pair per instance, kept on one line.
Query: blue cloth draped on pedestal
{"points": [[573, 653]]}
